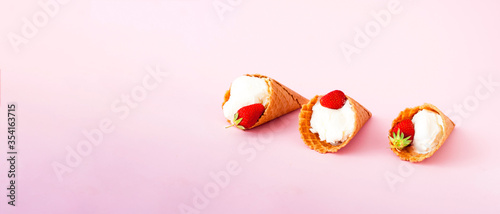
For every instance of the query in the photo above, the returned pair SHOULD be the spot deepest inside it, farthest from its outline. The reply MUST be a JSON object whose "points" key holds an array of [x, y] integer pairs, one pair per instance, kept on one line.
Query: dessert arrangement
{"points": [[417, 133], [253, 100], [331, 123]]}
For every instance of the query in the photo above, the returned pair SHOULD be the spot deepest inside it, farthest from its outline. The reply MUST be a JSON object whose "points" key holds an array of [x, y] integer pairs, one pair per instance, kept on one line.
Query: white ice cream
{"points": [[333, 125], [245, 91], [427, 125]]}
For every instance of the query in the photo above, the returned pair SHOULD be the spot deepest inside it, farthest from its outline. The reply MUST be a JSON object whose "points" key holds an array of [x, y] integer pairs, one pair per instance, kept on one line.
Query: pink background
{"points": [[67, 77]]}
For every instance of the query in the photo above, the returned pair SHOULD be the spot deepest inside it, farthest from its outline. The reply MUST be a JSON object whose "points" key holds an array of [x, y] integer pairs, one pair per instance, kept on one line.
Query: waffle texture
{"points": [[312, 139], [409, 153], [282, 100]]}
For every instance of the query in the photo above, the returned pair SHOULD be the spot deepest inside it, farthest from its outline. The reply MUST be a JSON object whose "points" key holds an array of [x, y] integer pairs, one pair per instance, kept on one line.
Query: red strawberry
{"points": [[406, 127], [402, 134], [247, 116], [334, 100]]}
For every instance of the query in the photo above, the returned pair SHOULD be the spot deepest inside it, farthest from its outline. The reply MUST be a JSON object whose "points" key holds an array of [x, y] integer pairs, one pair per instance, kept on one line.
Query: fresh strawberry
{"points": [[247, 116], [406, 127], [402, 134], [334, 100]]}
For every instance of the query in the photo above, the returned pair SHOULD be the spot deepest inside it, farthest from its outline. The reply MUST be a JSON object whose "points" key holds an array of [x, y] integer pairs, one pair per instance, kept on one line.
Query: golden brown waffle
{"points": [[409, 153], [282, 100], [312, 139]]}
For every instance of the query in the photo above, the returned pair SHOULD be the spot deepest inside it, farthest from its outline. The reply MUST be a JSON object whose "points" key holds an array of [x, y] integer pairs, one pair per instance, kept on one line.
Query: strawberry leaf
{"points": [[238, 121], [399, 141]]}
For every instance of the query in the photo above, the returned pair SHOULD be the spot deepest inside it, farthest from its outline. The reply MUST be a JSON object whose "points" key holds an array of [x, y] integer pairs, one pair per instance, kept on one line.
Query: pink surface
{"points": [[164, 148]]}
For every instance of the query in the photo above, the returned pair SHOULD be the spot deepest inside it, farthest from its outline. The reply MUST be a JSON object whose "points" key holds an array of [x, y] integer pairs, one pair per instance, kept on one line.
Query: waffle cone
{"points": [[312, 139], [409, 153], [282, 100]]}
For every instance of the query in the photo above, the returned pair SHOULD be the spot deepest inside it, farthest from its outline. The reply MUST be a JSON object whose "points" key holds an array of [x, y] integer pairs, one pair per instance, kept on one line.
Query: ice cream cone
{"points": [[282, 100], [312, 139], [408, 153]]}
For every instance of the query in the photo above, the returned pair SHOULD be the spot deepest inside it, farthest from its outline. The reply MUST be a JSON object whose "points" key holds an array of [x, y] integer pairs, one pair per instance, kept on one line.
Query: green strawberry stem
{"points": [[236, 122], [399, 141]]}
